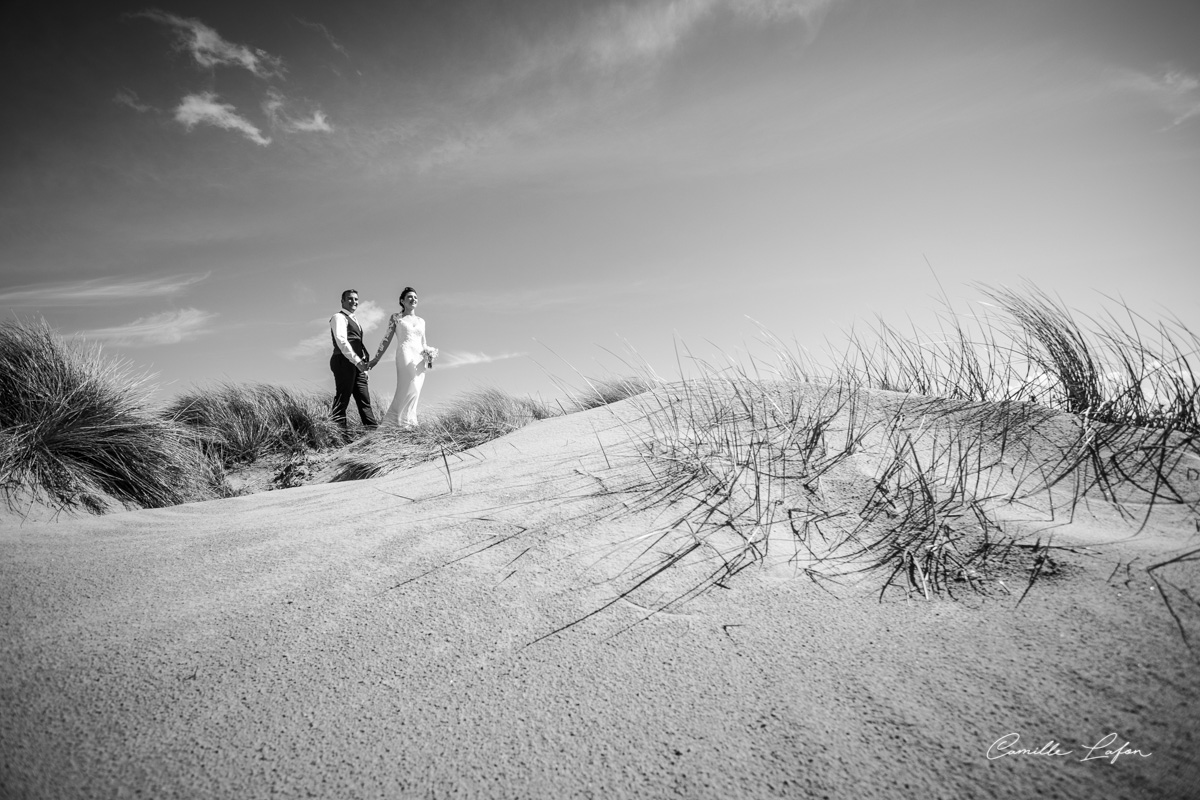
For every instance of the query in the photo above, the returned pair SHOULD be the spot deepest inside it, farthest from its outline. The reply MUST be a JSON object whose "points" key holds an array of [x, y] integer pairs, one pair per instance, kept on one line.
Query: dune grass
{"points": [[1027, 346], [238, 424], [996, 413], [469, 421], [743, 455], [604, 391], [76, 429]]}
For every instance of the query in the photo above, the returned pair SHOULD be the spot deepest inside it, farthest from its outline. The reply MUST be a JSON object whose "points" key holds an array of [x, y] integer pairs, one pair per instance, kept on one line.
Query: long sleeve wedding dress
{"points": [[411, 367]]}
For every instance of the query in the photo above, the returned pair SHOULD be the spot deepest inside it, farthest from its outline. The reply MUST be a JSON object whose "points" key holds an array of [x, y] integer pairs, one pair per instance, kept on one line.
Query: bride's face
{"points": [[409, 301]]}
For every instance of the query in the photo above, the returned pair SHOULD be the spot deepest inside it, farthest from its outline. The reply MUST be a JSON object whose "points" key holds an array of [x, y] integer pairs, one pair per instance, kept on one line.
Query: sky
{"points": [[577, 187]]}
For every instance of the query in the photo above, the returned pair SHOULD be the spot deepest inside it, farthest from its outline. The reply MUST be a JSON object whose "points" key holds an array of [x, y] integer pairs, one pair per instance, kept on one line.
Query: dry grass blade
{"points": [[1159, 582]]}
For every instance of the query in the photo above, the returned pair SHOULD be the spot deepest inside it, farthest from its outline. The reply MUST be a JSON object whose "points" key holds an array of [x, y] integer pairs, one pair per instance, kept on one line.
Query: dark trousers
{"points": [[349, 382]]}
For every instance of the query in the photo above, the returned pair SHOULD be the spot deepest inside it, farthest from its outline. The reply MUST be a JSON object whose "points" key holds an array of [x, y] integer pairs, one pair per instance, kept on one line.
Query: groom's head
{"points": [[350, 300]]}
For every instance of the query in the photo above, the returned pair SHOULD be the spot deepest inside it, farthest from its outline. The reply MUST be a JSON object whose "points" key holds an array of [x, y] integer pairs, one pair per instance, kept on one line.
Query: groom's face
{"points": [[350, 302]]}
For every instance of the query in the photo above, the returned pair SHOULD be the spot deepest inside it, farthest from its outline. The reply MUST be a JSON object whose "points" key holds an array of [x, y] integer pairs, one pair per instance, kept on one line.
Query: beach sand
{"points": [[396, 637]]}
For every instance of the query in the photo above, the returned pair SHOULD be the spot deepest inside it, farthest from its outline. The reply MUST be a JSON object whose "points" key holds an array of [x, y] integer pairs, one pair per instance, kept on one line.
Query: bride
{"points": [[413, 359]]}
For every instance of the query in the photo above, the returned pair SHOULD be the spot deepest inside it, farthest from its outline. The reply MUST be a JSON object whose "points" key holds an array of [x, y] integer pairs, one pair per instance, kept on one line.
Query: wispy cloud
{"points": [[535, 298], [311, 347], [455, 146], [273, 107], [204, 108], [369, 315], [624, 33], [608, 53], [128, 97], [316, 26], [451, 360], [98, 290], [1176, 92], [169, 327], [316, 123], [811, 11], [210, 50], [620, 34]]}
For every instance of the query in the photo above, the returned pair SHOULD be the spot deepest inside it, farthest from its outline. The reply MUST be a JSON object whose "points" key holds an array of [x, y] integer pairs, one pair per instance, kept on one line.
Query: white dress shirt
{"points": [[337, 324]]}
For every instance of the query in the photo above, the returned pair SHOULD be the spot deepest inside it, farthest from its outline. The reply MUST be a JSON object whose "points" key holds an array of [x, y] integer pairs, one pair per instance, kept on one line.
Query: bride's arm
{"points": [[387, 340]]}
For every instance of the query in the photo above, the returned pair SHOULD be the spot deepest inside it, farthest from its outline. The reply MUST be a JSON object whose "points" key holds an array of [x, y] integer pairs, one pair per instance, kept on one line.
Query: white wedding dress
{"points": [[410, 368]]}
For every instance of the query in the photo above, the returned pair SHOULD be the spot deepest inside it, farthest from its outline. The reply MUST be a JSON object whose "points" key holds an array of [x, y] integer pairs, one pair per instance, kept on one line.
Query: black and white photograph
{"points": [[550, 399]]}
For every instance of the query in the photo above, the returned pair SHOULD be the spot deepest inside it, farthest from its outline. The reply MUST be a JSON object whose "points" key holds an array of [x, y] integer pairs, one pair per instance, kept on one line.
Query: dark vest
{"points": [[353, 336]]}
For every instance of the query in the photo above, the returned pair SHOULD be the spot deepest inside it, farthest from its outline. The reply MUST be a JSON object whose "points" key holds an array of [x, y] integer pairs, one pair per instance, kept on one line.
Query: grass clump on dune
{"points": [[75, 429], [609, 390], [472, 420], [999, 429], [1121, 369], [237, 424], [476, 418]]}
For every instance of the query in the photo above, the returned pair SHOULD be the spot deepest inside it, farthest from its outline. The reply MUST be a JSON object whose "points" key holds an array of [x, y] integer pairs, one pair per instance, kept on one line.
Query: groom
{"points": [[349, 363]]}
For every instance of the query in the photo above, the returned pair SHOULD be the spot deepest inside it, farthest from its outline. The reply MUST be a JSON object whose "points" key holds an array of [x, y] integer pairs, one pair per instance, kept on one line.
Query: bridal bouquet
{"points": [[430, 353]]}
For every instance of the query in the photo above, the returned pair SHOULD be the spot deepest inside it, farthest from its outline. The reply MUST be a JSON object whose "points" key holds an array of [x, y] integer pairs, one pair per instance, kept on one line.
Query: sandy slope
{"points": [[384, 639]]}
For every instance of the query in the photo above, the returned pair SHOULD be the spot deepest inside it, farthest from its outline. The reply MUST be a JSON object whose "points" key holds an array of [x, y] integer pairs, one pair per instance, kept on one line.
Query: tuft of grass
{"points": [[76, 429], [1119, 369], [609, 390], [237, 424], [476, 418], [1000, 418], [1057, 347]]}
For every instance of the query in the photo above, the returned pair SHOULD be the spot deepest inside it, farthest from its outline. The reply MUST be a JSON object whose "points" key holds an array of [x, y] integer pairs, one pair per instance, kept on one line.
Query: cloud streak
{"points": [[128, 97], [453, 360], [536, 298], [210, 50], [369, 315], [600, 59], [98, 290], [316, 26], [273, 107], [1176, 92], [169, 327], [205, 109], [623, 34], [311, 347], [464, 358], [317, 123]]}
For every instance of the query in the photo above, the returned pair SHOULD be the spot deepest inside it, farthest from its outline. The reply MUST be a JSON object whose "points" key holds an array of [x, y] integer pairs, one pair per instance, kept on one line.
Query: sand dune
{"points": [[483, 633]]}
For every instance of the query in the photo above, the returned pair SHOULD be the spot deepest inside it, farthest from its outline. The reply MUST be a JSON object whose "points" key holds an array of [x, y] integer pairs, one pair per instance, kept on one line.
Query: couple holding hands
{"points": [[350, 364]]}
